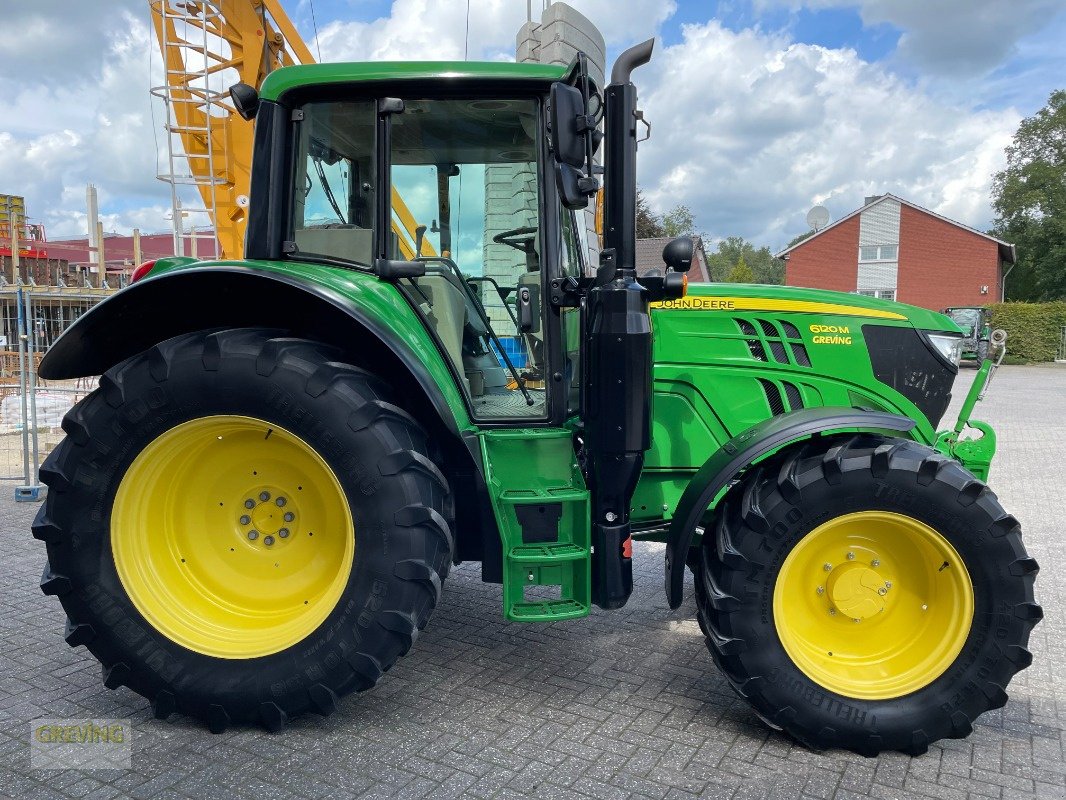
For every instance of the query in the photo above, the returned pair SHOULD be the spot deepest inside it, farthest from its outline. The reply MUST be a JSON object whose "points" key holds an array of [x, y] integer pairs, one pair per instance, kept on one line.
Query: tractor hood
{"points": [[764, 297]]}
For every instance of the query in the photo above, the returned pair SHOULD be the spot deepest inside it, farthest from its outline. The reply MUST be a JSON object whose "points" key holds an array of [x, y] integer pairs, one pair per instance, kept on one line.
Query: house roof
{"points": [[1006, 249], [649, 256]]}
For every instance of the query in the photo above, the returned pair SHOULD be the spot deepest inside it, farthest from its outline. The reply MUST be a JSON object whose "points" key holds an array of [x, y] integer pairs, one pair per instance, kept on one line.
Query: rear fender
{"points": [[736, 455], [183, 301]]}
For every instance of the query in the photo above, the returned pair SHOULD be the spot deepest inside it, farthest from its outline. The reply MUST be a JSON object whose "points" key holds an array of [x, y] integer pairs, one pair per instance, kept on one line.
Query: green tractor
{"points": [[255, 513], [976, 325]]}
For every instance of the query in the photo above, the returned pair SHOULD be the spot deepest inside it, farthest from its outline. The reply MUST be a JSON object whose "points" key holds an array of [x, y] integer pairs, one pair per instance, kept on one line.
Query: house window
{"points": [[878, 252]]}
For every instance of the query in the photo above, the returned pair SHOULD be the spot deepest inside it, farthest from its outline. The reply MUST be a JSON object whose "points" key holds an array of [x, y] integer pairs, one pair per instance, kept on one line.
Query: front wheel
{"points": [[866, 593], [242, 529]]}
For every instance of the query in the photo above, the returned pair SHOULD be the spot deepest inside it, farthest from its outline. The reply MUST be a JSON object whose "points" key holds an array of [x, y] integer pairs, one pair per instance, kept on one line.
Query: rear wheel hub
{"points": [[232, 536]]}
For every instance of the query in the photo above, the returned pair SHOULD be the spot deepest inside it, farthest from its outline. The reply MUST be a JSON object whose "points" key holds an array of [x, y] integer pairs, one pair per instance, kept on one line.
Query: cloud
{"points": [[79, 112], [950, 37], [430, 30], [750, 130]]}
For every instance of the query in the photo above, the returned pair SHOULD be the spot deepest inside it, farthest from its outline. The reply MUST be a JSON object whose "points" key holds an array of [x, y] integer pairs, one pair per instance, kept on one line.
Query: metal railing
{"points": [[32, 410], [1061, 357]]}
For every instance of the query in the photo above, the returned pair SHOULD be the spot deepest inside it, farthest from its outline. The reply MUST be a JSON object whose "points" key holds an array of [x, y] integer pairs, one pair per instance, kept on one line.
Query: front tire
{"points": [[242, 529], [866, 593]]}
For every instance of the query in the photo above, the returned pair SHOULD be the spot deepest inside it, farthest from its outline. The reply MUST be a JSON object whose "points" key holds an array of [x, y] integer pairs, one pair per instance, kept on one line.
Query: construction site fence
{"points": [[31, 410]]}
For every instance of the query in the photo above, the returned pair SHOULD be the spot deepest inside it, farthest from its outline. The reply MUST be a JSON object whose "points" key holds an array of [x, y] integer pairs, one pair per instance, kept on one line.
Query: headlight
{"points": [[947, 345]]}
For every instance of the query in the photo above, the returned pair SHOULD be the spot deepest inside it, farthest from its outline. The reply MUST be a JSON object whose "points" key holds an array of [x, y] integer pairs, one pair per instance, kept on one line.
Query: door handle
{"points": [[525, 310]]}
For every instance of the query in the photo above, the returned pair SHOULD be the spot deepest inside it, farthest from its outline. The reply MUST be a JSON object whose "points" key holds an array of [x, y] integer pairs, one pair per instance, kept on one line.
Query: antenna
{"points": [[818, 218]]}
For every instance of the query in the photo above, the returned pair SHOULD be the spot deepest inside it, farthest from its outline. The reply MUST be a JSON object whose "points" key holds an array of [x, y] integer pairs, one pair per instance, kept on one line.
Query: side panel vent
{"points": [[792, 393], [800, 354], [778, 351], [773, 396], [756, 349], [790, 330], [768, 329]]}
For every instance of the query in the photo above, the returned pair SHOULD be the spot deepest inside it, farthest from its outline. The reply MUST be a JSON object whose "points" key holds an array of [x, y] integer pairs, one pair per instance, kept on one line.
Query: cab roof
{"points": [[282, 80]]}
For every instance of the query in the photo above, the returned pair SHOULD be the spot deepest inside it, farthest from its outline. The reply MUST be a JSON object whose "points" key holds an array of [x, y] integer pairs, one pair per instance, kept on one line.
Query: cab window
{"points": [[465, 199]]}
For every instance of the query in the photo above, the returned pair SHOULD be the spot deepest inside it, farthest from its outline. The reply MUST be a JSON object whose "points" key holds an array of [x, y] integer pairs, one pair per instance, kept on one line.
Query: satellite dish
{"points": [[818, 218]]}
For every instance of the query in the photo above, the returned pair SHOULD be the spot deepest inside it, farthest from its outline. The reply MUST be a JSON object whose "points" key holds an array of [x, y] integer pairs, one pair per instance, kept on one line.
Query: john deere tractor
{"points": [[414, 366]]}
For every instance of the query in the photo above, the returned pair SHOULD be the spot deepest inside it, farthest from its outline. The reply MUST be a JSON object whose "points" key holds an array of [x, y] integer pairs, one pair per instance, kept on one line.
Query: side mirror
{"points": [[245, 99], [678, 253], [573, 186], [567, 109]]}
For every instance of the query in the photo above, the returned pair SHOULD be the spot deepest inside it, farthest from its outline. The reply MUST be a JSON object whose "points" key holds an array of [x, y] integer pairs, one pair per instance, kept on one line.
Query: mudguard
{"points": [[741, 451], [200, 298]]}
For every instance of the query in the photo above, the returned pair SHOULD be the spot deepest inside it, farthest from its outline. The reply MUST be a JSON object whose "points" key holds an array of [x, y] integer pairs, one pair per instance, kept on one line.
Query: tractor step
{"points": [[547, 553], [548, 611], [542, 508]]}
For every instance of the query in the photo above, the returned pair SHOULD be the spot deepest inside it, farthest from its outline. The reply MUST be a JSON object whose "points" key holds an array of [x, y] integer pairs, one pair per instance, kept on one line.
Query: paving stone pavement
{"points": [[622, 704]]}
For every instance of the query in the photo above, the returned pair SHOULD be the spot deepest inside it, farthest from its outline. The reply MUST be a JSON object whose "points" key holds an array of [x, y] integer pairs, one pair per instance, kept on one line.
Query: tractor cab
{"points": [[976, 325], [452, 185]]}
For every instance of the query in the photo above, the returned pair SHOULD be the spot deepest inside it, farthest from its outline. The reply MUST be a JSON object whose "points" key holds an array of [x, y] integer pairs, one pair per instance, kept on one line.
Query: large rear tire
{"points": [[242, 529], [866, 593]]}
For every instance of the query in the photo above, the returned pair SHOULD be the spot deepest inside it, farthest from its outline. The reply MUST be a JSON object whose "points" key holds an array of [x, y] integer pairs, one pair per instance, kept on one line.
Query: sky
{"points": [[760, 109]]}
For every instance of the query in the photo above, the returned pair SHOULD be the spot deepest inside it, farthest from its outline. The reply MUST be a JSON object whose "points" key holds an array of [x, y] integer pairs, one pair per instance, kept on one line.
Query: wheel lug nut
{"points": [[283, 533], [253, 535], [268, 540], [820, 590], [875, 563], [264, 496], [851, 556], [827, 567], [882, 591], [289, 516], [832, 612], [245, 519], [888, 584], [280, 501], [249, 503], [856, 620]]}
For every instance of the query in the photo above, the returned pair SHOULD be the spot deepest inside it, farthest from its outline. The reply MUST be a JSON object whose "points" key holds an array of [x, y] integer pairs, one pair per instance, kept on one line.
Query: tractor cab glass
{"points": [[966, 318], [333, 197], [465, 200]]}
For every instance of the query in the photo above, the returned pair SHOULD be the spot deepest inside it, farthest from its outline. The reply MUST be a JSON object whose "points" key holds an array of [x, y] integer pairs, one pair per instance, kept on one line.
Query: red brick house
{"points": [[894, 249]]}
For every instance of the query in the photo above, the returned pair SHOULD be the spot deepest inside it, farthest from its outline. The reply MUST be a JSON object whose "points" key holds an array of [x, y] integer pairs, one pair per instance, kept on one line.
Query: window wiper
{"points": [[322, 179]]}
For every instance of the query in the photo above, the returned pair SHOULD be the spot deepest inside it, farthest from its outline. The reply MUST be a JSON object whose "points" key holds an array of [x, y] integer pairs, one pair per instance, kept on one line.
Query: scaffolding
{"points": [[207, 46]]}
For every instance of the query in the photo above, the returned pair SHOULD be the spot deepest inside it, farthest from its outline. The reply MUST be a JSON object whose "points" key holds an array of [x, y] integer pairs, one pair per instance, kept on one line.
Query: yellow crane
{"points": [[207, 46]]}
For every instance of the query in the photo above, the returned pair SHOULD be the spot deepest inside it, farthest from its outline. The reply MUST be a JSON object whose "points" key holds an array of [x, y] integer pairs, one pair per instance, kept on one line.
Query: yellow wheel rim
{"points": [[873, 605], [232, 537]]}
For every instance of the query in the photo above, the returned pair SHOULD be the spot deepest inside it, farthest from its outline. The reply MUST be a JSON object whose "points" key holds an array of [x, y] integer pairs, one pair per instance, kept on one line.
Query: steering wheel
{"points": [[521, 239]]}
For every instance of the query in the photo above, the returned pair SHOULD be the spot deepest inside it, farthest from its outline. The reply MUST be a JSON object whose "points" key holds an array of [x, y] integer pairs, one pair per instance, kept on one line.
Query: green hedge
{"points": [[1033, 329]]}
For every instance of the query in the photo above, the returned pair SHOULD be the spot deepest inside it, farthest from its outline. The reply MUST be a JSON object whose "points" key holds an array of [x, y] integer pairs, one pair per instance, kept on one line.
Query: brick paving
{"points": [[622, 704]]}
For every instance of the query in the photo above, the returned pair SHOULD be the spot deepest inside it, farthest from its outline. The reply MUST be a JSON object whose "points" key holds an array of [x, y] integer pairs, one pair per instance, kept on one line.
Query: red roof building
{"points": [[896, 250]]}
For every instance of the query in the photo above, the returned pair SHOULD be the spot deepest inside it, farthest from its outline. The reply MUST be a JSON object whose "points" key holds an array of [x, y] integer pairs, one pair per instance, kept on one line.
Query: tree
{"points": [[1029, 197], [649, 225], [741, 273], [679, 222], [760, 262]]}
